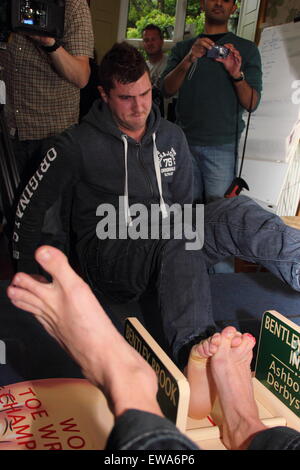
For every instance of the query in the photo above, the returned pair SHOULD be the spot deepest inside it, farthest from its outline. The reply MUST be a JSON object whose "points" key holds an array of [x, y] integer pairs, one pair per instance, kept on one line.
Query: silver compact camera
{"points": [[218, 52]]}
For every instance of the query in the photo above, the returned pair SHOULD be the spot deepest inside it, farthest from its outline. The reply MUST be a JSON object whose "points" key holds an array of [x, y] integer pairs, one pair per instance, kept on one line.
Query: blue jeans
{"points": [[139, 430], [124, 269], [214, 170], [240, 227]]}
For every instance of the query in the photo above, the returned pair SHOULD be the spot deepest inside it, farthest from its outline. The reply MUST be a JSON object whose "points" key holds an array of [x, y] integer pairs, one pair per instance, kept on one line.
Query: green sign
{"points": [[278, 360]]}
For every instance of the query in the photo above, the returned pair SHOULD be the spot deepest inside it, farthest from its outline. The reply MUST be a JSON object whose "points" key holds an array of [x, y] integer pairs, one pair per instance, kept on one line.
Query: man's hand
{"points": [[247, 96], [43, 40], [175, 78], [200, 48], [232, 62]]}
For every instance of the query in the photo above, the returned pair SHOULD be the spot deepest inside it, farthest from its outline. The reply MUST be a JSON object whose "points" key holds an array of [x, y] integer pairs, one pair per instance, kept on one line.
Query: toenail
{"points": [[230, 334], [44, 254], [250, 336]]}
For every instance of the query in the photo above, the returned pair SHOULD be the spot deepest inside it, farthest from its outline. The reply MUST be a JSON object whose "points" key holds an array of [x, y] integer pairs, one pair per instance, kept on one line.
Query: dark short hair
{"points": [[152, 26], [122, 63]]}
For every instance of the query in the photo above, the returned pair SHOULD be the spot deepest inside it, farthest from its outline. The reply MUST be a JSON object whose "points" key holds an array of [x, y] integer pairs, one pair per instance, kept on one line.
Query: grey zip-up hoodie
{"points": [[98, 164]]}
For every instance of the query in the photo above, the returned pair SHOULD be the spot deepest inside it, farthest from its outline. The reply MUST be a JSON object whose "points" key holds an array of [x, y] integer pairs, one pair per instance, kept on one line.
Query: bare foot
{"points": [[231, 373], [70, 313], [198, 372]]}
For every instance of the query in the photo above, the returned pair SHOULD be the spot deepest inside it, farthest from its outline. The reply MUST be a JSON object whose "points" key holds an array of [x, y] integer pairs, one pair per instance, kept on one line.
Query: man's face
{"points": [[152, 42], [218, 11], [130, 103]]}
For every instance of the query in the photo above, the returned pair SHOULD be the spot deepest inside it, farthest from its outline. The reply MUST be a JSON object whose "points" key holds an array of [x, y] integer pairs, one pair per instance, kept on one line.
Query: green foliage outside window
{"points": [[156, 17], [162, 13]]}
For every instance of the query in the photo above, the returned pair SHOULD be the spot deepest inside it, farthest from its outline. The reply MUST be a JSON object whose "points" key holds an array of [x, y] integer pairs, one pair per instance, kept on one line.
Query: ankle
{"points": [[140, 402], [136, 389], [250, 428], [242, 435]]}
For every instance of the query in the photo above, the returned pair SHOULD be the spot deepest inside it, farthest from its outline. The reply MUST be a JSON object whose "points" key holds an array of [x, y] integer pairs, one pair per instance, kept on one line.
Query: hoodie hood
{"points": [[100, 117]]}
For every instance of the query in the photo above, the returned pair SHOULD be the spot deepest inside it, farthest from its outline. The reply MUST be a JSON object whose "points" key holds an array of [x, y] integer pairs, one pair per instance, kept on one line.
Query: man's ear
{"points": [[102, 93], [233, 8]]}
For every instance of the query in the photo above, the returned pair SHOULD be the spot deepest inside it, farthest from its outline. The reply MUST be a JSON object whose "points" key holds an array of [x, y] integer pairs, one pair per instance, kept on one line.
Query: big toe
{"points": [[227, 335], [229, 332], [56, 264]]}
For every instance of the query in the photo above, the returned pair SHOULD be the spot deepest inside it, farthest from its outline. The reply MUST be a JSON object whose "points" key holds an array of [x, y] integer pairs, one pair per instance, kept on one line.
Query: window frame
{"points": [[180, 14]]}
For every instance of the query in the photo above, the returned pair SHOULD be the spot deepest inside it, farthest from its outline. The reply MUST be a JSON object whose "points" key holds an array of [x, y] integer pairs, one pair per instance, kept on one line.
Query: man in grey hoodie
{"points": [[124, 157]]}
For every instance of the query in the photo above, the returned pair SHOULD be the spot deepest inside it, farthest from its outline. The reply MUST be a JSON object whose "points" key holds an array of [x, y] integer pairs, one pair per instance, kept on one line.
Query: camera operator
{"points": [[212, 95], [43, 79]]}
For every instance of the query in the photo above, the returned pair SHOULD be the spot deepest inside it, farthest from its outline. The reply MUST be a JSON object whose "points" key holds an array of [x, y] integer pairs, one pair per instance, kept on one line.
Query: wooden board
{"points": [[174, 391], [293, 221]]}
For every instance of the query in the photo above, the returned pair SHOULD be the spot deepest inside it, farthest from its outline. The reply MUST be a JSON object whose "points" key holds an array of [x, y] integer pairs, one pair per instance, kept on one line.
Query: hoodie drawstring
{"points": [[128, 219], [162, 204]]}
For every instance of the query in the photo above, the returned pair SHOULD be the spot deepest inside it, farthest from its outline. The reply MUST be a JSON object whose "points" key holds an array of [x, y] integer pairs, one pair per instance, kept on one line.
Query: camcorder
{"points": [[43, 18], [218, 52]]}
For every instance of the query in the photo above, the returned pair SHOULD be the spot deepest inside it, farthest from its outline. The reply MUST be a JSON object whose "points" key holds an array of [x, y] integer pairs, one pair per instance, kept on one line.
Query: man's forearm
{"points": [[75, 69], [175, 78], [247, 96]]}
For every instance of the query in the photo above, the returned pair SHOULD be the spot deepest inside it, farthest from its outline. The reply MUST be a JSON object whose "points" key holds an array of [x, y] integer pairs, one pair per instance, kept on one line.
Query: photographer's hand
{"points": [[199, 49], [247, 96], [43, 40], [175, 78], [232, 62]]}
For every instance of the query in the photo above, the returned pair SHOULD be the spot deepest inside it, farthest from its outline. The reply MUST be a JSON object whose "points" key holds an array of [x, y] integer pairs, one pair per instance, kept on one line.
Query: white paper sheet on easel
{"points": [[273, 123]]}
